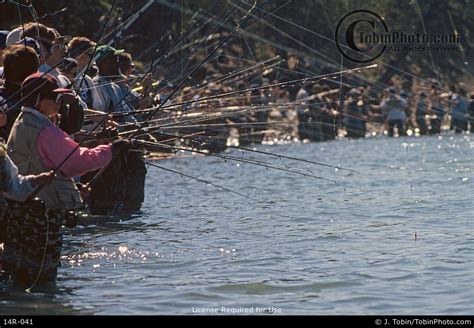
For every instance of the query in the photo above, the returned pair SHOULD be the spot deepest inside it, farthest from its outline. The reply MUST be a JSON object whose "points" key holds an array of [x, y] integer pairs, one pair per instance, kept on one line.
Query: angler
{"points": [[36, 145]]}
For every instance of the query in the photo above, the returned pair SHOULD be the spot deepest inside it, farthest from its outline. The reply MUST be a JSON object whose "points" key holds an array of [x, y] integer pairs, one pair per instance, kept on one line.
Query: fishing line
{"points": [[287, 169], [151, 114], [280, 156], [197, 179]]}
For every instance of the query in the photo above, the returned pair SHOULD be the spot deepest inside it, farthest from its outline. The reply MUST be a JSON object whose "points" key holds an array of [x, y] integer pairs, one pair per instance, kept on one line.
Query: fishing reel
{"points": [[36, 207], [140, 145], [71, 219]]}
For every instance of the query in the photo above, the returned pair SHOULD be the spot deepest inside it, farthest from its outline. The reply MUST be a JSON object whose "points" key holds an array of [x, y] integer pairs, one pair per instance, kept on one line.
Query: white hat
{"points": [[13, 37]]}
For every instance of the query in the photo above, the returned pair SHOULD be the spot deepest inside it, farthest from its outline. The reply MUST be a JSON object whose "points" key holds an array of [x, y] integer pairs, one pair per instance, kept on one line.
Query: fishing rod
{"points": [[197, 179], [151, 114], [287, 83], [153, 63], [280, 156], [204, 117], [310, 105], [215, 112], [269, 107], [333, 41], [211, 16], [177, 43], [245, 18], [94, 55], [325, 76], [183, 32], [256, 37], [261, 70], [171, 70], [5, 100], [131, 21], [238, 159], [234, 74], [201, 116], [296, 124], [334, 125], [179, 64], [56, 169]]}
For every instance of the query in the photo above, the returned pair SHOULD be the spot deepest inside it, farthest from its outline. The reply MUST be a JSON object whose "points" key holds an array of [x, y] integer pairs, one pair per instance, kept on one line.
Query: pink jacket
{"points": [[54, 145]]}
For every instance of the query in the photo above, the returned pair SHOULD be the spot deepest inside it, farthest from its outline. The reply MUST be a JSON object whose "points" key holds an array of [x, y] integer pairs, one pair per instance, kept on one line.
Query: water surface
{"points": [[298, 246]]}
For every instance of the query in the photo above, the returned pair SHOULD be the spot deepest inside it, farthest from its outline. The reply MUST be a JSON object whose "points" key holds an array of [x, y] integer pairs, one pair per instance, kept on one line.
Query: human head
{"points": [[42, 91], [106, 59], [435, 87], [125, 63], [58, 49], [19, 62], [41, 33], [81, 49]]}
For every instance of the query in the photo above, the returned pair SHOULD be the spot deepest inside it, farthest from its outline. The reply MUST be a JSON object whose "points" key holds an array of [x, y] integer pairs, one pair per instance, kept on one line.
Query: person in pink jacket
{"points": [[36, 145]]}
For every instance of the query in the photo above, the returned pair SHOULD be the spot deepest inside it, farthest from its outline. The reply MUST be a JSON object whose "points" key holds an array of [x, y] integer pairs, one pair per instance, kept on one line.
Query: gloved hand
{"points": [[41, 179], [120, 146]]}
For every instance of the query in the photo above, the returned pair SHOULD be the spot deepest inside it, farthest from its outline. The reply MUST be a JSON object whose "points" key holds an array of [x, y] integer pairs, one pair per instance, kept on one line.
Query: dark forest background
{"points": [[264, 35]]}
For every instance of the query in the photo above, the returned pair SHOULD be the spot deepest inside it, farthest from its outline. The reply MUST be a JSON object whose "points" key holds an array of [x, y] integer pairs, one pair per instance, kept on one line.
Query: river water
{"points": [[395, 238]]}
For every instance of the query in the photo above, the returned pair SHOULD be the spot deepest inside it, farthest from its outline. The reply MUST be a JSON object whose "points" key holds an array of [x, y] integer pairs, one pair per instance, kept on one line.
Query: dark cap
{"points": [[105, 51], [30, 42], [44, 85]]}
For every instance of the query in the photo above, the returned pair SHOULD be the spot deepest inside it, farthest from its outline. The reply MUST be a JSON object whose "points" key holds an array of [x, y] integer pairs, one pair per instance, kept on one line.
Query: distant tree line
{"points": [[284, 27]]}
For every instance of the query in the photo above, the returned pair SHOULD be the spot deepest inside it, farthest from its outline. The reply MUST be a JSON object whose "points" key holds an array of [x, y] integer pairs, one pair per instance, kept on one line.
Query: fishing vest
{"points": [[61, 193]]}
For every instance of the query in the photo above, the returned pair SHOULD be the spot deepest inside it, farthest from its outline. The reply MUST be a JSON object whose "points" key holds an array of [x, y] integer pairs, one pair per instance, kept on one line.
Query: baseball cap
{"points": [[105, 51], [30, 42], [13, 37], [38, 86]]}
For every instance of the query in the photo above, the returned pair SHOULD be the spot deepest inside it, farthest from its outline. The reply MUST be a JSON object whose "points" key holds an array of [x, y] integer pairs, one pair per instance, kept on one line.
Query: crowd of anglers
{"points": [[75, 120], [53, 159]]}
